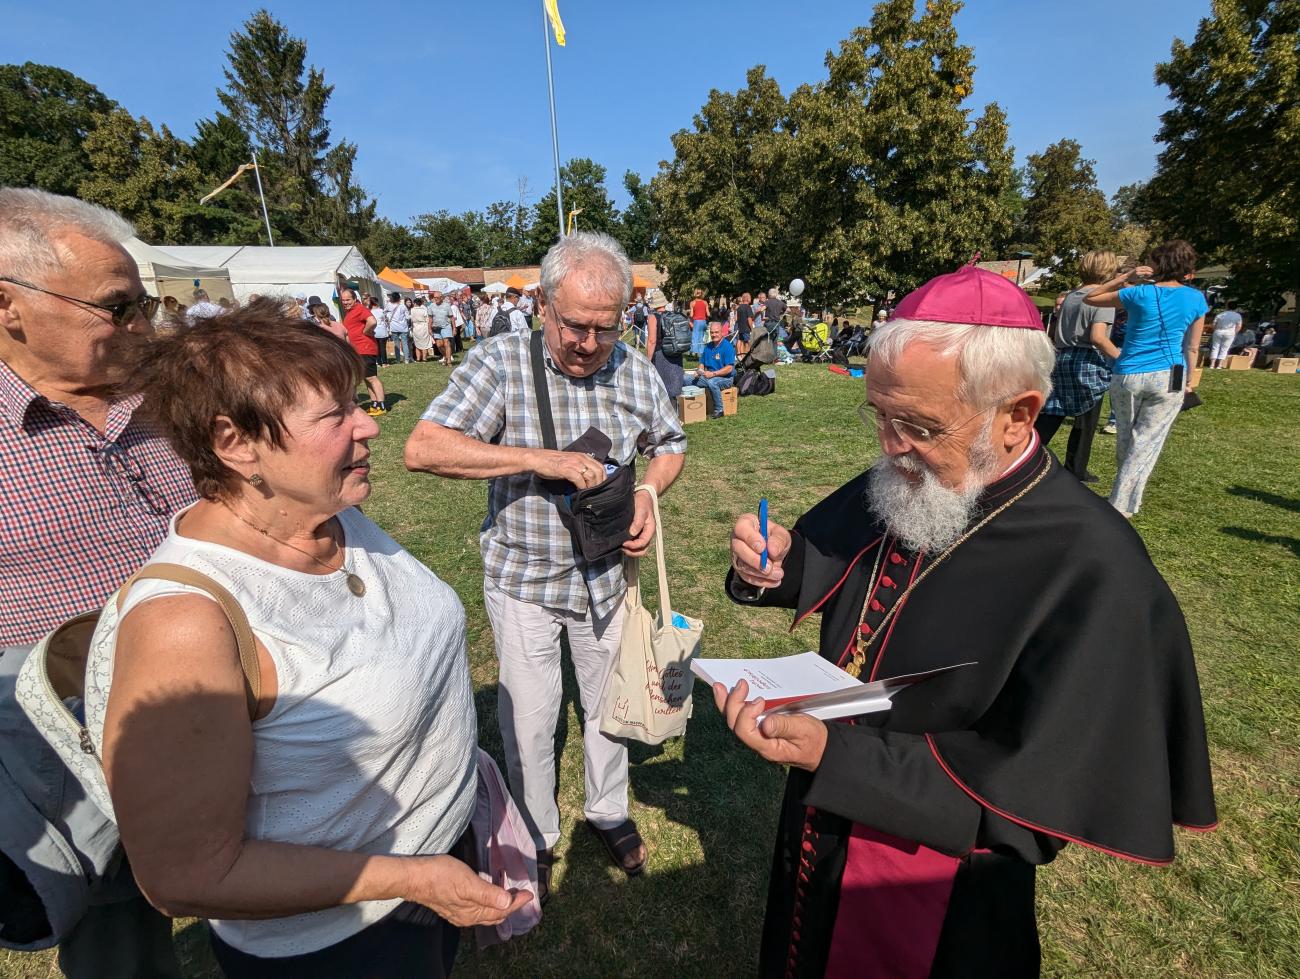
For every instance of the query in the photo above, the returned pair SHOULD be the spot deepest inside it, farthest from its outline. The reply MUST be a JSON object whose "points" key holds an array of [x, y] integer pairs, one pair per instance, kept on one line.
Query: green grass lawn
{"points": [[1222, 521]]}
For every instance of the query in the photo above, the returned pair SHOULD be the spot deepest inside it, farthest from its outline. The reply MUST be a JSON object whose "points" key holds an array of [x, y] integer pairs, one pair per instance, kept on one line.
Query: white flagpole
{"points": [[555, 138], [257, 172]]}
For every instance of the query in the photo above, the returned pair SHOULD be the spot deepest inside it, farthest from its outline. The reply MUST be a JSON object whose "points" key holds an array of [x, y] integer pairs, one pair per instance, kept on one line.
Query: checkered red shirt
{"points": [[80, 510]]}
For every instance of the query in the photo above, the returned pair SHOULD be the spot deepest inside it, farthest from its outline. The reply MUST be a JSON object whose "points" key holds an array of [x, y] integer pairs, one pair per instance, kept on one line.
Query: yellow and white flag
{"points": [[557, 25], [235, 176]]}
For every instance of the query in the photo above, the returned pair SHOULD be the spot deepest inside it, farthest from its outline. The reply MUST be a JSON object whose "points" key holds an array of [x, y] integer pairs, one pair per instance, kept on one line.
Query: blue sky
{"points": [[623, 84]]}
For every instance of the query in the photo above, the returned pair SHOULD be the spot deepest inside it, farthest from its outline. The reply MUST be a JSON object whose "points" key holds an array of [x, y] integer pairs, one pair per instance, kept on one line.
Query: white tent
{"points": [[495, 288], [166, 275], [313, 270], [442, 284]]}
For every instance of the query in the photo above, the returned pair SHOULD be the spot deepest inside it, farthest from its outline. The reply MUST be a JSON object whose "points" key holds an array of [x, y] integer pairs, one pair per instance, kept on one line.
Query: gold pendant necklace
{"points": [[860, 648], [354, 582]]}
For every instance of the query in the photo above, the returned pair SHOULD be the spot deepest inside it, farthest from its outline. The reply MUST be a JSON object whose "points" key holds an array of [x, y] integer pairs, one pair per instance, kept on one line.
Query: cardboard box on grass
{"points": [[729, 401], [1196, 376], [691, 410], [1239, 362], [1286, 365]]}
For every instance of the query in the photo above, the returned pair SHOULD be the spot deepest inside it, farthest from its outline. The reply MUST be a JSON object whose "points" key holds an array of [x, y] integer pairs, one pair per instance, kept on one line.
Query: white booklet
{"points": [[808, 684]]}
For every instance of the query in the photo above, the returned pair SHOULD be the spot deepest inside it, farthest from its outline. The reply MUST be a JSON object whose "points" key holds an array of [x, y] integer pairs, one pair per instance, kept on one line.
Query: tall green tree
{"points": [[583, 181], [502, 233], [910, 183], [279, 101], [445, 239], [638, 225], [1228, 178], [720, 199], [875, 179], [146, 175], [1066, 213], [46, 114]]}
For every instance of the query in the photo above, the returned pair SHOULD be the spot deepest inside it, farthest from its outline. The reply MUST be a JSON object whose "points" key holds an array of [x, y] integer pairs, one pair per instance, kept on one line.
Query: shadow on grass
{"points": [[1256, 537], [1260, 496]]}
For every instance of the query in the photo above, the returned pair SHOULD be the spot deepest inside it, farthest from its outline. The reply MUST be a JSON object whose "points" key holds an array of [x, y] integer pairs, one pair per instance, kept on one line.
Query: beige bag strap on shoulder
{"points": [[633, 571], [182, 575]]}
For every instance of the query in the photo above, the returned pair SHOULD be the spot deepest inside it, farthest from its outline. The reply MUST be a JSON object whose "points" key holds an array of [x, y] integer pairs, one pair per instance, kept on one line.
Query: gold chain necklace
{"points": [[355, 584], [854, 668]]}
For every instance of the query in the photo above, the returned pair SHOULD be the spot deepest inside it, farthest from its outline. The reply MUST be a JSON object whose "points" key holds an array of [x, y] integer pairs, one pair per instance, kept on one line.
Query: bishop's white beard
{"points": [[926, 515]]}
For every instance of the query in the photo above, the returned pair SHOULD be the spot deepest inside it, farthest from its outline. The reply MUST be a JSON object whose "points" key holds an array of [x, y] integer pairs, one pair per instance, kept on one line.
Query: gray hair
{"points": [[993, 362], [31, 220], [595, 257]]}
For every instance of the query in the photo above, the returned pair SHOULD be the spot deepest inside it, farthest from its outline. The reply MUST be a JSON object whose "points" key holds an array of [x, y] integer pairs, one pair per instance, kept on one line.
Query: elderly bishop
{"points": [[909, 839]]}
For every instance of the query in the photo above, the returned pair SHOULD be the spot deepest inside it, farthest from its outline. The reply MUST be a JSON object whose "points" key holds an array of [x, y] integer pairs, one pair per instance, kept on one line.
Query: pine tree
{"points": [[279, 102]]}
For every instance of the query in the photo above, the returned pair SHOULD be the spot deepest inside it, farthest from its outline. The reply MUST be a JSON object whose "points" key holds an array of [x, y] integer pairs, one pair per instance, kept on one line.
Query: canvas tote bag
{"points": [[648, 697]]}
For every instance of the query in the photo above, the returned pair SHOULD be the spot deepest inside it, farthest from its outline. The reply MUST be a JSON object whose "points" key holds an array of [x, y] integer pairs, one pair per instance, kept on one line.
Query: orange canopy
{"points": [[516, 281], [399, 278], [640, 283]]}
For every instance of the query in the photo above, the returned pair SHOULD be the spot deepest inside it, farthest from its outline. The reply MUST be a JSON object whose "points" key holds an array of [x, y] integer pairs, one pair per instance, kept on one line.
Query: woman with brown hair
{"points": [[320, 838], [1154, 370]]}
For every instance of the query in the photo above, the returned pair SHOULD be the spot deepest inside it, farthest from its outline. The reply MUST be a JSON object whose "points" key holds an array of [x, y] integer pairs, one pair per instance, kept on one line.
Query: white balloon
{"points": [[796, 287]]}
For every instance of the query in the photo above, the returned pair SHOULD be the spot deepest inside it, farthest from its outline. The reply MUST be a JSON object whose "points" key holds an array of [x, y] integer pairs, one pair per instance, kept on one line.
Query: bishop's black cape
{"points": [[1081, 722]]}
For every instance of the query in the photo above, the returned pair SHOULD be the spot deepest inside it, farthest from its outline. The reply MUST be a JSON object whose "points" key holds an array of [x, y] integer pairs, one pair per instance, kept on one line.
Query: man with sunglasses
{"points": [[608, 404], [909, 839], [86, 493]]}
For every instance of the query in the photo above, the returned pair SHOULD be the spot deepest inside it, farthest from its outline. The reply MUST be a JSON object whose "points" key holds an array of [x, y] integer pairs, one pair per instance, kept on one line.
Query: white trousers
{"points": [[527, 639], [1220, 342]]}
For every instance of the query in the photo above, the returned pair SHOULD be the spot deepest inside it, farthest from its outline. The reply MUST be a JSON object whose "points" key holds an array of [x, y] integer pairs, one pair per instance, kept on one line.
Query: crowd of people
{"points": [[297, 761]]}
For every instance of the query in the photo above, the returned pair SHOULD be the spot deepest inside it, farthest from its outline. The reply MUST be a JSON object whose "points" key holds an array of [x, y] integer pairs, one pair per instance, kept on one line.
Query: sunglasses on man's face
{"points": [[122, 313]]}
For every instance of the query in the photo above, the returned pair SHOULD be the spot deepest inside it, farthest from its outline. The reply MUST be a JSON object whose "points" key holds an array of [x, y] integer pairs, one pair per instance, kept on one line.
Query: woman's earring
{"points": [[256, 480]]}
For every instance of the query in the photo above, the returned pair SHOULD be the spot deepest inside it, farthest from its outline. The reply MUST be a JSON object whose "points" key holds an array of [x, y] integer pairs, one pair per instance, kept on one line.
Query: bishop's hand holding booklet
{"points": [[808, 684]]}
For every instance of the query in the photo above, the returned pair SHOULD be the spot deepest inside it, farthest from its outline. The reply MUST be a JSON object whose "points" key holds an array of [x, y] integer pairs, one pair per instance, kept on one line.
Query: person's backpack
{"points": [[500, 323], [640, 313], [754, 382], [674, 334], [50, 688]]}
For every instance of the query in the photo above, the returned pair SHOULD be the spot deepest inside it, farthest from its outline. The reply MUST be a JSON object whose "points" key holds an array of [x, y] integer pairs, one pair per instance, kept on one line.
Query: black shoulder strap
{"points": [[542, 391]]}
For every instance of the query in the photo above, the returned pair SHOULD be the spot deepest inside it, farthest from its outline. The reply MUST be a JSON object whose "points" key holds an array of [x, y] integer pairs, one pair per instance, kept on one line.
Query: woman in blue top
{"points": [[1163, 335]]}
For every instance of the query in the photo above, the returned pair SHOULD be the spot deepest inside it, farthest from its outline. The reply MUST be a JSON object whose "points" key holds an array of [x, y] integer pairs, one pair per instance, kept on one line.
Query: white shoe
{"points": [[1110, 430]]}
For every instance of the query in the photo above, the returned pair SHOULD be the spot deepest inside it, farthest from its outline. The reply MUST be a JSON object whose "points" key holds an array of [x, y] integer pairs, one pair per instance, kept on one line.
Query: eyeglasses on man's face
{"points": [[121, 313], [605, 336], [918, 436]]}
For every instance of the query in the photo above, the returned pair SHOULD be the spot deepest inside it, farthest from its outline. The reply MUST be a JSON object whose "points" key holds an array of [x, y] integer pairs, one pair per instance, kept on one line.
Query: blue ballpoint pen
{"points": [[762, 529]]}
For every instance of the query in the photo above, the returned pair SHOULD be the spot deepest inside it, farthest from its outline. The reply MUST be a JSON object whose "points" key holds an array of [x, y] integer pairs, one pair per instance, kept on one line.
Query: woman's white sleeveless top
{"points": [[371, 744]]}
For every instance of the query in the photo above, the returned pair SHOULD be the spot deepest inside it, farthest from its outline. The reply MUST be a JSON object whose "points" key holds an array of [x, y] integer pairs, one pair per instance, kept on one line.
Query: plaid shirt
{"points": [[527, 550], [80, 510], [1079, 379]]}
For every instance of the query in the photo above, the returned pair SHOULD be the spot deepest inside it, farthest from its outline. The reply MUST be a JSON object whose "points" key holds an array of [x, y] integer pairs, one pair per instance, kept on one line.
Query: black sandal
{"points": [[545, 858], [622, 841]]}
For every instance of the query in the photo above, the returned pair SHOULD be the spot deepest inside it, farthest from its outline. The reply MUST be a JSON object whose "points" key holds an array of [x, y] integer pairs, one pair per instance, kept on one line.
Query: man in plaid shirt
{"points": [[86, 493], [485, 426]]}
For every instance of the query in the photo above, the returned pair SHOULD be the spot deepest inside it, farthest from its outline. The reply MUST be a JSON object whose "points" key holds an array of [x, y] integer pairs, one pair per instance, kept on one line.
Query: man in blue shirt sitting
{"points": [[717, 369]]}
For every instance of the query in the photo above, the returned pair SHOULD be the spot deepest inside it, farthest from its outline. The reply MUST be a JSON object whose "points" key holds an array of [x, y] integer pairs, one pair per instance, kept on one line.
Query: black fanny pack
{"points": [[599, 518]]}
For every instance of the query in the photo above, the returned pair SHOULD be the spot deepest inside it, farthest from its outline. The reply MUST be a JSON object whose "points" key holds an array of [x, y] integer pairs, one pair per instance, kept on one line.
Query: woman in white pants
{"points": [[1154, 370], [1226, 327]]}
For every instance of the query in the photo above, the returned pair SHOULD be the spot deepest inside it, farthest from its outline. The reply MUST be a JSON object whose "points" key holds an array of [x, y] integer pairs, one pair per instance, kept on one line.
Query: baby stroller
{"points": [[852, 342], [815, 344]]}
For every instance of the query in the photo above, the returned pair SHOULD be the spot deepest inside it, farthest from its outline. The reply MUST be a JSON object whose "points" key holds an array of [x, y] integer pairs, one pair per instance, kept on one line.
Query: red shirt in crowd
{"points": [[699, 309], [354, 321]]}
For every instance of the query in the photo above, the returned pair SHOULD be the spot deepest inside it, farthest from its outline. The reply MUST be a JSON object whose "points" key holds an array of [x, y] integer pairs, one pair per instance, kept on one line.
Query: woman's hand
{"points": [[1142, 273], [448, 887], [747, 551], [786, 739]]}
